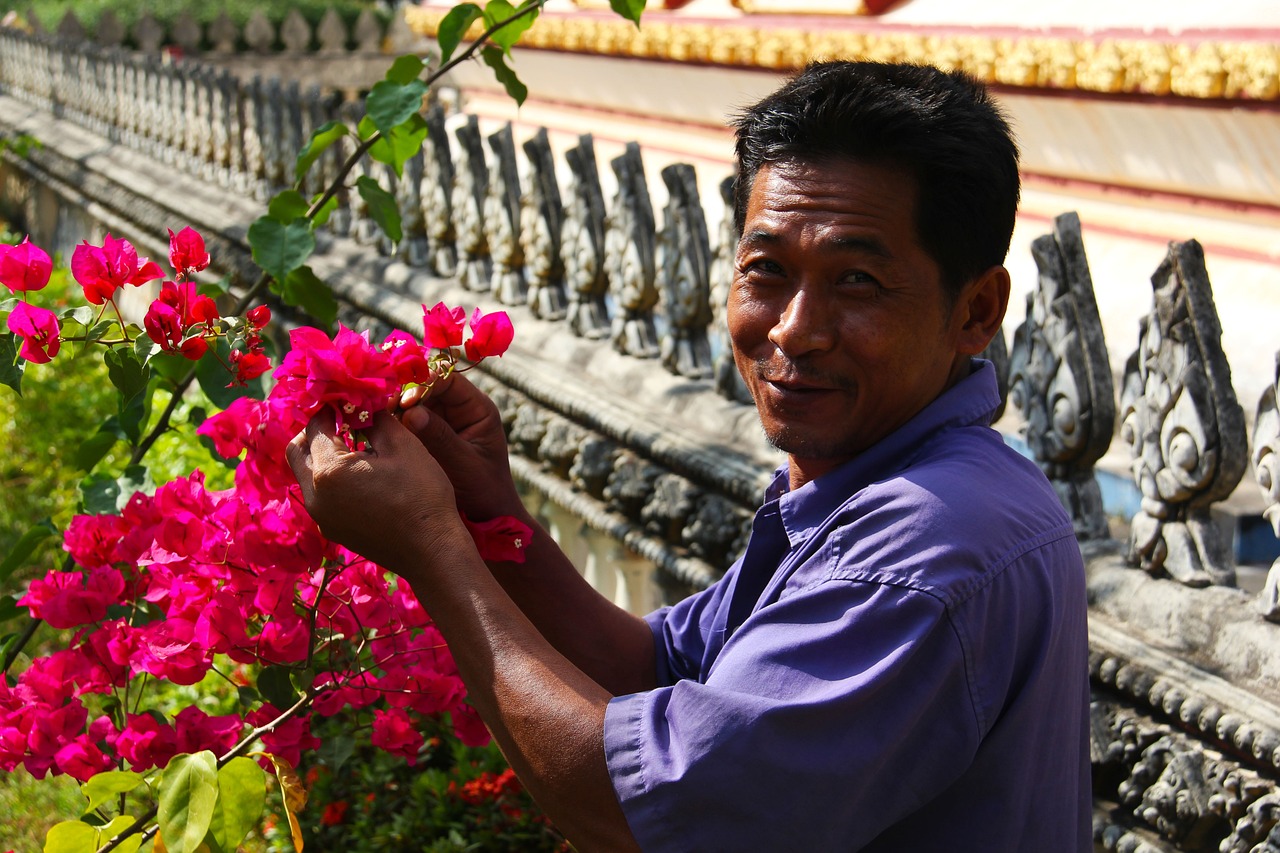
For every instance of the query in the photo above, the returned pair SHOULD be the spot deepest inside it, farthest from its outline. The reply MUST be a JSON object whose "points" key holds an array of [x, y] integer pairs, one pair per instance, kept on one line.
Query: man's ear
{"points": [[979, 310]]}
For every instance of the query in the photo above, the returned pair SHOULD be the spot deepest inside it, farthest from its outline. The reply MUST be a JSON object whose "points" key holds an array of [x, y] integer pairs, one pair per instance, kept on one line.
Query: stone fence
{"points": [[631, 433]]}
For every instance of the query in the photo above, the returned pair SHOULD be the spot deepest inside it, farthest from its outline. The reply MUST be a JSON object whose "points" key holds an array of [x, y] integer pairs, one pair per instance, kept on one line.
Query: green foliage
{"points": [[372, 801]]}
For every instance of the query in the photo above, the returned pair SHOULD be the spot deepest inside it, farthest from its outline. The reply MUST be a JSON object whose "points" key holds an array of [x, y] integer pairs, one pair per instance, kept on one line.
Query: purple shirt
{"points": [[897, 662]]}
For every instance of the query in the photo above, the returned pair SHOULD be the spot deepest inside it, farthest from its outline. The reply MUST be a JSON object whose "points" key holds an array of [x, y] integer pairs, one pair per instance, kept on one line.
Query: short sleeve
{"points": [[828, 716]]}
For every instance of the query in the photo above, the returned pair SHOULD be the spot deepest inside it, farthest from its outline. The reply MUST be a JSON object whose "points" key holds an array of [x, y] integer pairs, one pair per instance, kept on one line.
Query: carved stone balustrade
{"points": [[684, 275], [436, 192], [502, 219], [541, 226], [470, 189], [583, 243], [1266, 466], [629, 250]]}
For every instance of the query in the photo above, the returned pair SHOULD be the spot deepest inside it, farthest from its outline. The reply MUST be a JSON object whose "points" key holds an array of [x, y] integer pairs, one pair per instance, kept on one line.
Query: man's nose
{"points": [[807, 324]]}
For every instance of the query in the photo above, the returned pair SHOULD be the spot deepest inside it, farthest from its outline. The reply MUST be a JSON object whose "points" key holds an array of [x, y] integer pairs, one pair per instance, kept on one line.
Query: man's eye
{"points": [[761, 267], [859, 282]]}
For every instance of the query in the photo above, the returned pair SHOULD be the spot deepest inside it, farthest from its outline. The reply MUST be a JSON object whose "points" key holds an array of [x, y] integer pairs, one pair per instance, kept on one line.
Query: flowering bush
{"points": [[184, 581]]}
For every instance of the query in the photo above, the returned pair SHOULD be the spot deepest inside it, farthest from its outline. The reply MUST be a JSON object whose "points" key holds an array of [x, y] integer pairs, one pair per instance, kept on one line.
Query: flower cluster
{"points": [[186, 577], [180, 321]]}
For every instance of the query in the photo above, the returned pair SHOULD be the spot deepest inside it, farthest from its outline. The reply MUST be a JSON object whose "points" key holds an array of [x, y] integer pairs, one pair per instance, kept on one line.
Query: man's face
{"points": [[838, 318]]}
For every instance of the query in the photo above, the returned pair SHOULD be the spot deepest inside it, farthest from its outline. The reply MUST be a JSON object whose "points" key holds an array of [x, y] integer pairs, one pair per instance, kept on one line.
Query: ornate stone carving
{"points": [[629, 258], [541, 224], [470, 186], [727, 378], [582, 243], [716, 530], [671, 502], [1187, 794], [436, 193], [1060, 378], [1180, 416], [630, 484], [1266, 468], [590, 471], [502, 219], [684, 276], [414, 247], [1258, 830], [295, 32]]}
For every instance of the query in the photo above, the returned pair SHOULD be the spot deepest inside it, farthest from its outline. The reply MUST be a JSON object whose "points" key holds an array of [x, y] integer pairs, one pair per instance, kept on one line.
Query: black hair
{"points": [[941, 127]]}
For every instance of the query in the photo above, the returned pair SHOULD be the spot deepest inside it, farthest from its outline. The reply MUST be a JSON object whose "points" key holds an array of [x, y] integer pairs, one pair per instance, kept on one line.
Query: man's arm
{"points": [[395, 506]]}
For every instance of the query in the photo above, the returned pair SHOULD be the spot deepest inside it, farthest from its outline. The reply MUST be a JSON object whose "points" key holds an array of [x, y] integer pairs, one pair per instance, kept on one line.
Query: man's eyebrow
{"points": [[867, 245]]}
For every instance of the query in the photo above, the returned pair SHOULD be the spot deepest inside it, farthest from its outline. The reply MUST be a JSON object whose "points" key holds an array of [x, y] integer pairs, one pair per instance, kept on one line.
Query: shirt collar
{"points": [[970, 402]]}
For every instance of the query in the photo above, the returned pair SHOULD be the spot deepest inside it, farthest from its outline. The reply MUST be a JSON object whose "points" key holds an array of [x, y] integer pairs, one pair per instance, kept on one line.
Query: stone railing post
{"points": [[1266, 467], [684, 276], [629, 257], [436, 193], [582, 243], [541, 223], [1060, 376], [470, 187], [502, 219], [1180, 416]]}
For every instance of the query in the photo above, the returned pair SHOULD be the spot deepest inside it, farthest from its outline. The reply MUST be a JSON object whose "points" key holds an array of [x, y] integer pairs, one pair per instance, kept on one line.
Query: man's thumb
{"points": [[433, 431]]}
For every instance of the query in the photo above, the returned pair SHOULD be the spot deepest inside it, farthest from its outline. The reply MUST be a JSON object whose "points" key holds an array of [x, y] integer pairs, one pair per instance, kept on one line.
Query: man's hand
{"points": [[462, 429], [384, 503]]}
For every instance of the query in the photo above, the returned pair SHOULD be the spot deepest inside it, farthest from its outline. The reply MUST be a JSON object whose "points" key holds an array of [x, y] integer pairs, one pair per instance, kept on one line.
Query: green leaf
{"points": [[405, 69], [629, 9], [382, 206], [96, 446], [215, 288], [10, 366], [286, 206], [188, 796], [108, 785], [134, 416], [101, 493], [70, 836], [306, 290], [391, 104], [242, 794], [366, 128], [322, 215], [492, 57], [400, 143], [279, 248], [323, 136], [335, 750], [276, 687], [453, 27], [9, 609], [128, 373], [118, 825], [25, 546], [81, 314], [497, 11]]}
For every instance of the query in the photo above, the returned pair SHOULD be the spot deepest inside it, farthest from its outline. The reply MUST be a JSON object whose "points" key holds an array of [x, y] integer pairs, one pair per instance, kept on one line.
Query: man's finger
{"points": [[298, 453], [321, 436]]}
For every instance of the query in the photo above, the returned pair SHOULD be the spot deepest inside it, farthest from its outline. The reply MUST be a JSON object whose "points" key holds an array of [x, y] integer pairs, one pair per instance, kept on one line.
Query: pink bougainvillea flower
{"points": [[394, 732], [491, 334], [163, 323], [409, 359], [192, 306], [502, 539], [102, 270], [442, 326], [259, 317], [24, 267], [186, 253], [38, 328], [350, 374], [248, 366], [68, 599]]}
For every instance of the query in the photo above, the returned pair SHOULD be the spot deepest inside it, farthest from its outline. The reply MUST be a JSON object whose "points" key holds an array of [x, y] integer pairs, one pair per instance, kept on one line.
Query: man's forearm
{"points": [[613, 647], [546, 713]]}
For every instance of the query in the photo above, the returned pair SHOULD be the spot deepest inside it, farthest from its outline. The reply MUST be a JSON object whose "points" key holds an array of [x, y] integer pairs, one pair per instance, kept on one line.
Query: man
{"points": [[898, 660]]}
